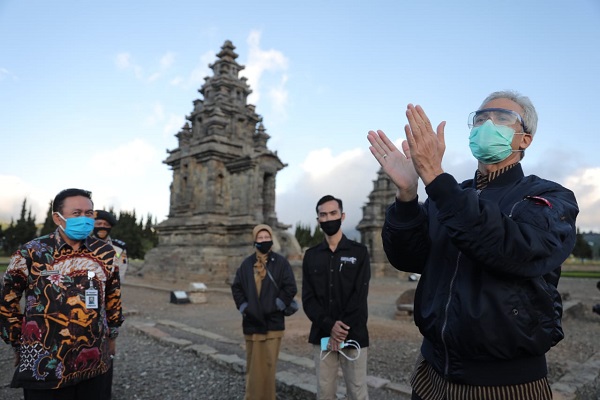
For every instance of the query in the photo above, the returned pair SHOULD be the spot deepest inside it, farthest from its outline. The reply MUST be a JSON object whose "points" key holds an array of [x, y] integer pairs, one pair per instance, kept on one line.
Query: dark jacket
{"points": [[261, 314], [335, 286], [487, 302]]}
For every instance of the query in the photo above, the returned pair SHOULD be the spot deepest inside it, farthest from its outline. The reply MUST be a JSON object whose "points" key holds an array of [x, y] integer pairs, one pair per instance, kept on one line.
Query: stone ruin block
{"points": [[405, 304], [197, 293]]}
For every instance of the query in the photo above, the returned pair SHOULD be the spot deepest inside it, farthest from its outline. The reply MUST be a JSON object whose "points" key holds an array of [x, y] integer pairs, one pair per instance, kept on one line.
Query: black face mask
{"points": [[331, 227], [101, 233], [263, 247]]}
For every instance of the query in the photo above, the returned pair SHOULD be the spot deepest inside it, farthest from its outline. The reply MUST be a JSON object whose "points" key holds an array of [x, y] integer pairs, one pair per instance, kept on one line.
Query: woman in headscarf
{"points": [[263, 287]]}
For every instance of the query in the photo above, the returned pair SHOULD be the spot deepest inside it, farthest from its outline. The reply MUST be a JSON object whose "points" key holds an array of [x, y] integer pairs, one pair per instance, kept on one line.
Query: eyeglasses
{"points": [[499, 116]]}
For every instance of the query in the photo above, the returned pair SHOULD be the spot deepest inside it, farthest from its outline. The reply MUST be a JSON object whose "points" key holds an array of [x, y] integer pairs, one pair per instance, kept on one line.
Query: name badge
{"points": [[91, 298]]}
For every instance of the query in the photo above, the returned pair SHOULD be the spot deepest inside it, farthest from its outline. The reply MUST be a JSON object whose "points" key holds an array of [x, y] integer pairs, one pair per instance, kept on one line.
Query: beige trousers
{"points": [[354, 372], [261, 366]]}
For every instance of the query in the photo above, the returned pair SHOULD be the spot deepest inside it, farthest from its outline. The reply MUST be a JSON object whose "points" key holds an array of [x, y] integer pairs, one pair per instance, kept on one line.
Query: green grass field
{"points": [[581, 274]]}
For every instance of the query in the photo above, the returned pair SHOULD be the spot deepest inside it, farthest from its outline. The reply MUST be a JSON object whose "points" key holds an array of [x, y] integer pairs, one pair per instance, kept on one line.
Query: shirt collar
{"points": [[481, 181], [60, 242], [342, 244]]}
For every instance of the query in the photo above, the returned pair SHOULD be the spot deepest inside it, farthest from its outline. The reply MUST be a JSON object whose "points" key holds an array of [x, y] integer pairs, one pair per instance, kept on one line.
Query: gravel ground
{"points": [[145, 369]]}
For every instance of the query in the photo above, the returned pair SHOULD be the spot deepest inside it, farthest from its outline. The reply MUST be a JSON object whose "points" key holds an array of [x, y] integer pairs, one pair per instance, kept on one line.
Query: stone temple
{"points": [[382, 195], [223, 185]]}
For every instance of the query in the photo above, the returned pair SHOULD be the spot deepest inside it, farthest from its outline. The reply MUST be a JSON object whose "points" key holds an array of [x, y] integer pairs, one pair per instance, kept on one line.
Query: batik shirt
{"points": [[61, 336]]}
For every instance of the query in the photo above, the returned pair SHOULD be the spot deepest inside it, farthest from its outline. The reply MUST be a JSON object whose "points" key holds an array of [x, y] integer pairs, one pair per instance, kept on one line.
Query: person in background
{"points": [[335, 286], [64, 338], [104, 222], [489, 251], [263, 287]]}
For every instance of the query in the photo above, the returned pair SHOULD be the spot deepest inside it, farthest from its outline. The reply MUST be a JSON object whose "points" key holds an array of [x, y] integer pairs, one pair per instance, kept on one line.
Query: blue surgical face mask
{"points": [[77, 228], [491, 143]]}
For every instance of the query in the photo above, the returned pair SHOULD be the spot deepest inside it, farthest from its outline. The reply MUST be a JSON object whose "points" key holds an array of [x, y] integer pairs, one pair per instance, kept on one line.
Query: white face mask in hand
{"points": [[347, 343]]}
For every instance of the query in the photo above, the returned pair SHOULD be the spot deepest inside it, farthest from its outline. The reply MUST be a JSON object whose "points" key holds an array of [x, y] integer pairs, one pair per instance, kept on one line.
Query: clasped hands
{"points": [[339, 332], [420, 157]]}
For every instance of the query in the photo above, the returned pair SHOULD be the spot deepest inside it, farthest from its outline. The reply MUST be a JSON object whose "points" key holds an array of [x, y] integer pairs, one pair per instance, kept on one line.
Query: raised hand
{"points": [[397, 164], [426, 146]]}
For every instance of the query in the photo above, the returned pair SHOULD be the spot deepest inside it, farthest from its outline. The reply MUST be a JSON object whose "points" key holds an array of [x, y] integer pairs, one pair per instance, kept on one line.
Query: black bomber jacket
{"points": [[487, 302]]}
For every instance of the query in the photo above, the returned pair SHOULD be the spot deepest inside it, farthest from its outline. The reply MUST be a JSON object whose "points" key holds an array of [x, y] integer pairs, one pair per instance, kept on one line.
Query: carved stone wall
{"points": [[223, 184]]}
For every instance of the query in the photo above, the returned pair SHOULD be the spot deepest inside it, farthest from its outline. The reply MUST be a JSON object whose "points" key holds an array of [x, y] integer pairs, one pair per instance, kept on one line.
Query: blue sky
{"points": [[92, 93]]}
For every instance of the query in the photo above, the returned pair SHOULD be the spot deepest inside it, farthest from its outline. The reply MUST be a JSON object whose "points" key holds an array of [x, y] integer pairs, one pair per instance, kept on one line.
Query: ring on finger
{"points": [[384, 156]]}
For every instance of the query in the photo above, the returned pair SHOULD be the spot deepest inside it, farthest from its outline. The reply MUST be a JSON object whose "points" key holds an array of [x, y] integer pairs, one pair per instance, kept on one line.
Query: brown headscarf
{"points": [[260, 270]]}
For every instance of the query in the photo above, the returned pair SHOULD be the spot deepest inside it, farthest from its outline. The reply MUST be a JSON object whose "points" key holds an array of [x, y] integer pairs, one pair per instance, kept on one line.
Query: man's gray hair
{"points": [[530, 117]]}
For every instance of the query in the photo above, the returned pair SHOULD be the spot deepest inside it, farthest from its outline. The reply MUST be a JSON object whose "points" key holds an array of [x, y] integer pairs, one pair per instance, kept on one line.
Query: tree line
{"points": [[583, 248], [307, 238], [139, 236]]}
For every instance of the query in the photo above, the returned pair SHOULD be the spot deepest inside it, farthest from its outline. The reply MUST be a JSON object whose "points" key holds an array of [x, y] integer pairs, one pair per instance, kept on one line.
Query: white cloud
{"points": [[585, 183], [156, 116], [4, 73], [126, 161], [16, 190], [349, 175], [154, 77], [278, 96], [167, 61], [124, 61], [196, 77], [261, 61], [130, 177], [177, 81], [171, 123]]}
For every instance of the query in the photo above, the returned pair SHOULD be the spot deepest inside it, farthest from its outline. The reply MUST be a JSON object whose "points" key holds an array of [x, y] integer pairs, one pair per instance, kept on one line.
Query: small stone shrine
{"points": [[382, 195], [223, 185]]}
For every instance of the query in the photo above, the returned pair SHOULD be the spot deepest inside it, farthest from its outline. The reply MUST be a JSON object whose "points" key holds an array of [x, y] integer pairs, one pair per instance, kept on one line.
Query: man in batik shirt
{"points": [[64, 338]]}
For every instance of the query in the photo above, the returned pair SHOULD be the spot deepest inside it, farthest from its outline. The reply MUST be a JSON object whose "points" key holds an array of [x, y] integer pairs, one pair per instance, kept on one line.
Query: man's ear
{"points": [[57, 220], [525, 141], [343, 216]]}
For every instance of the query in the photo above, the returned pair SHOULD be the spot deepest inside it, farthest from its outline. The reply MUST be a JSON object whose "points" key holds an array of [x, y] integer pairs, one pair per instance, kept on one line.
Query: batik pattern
{"points": [[60, 341]]}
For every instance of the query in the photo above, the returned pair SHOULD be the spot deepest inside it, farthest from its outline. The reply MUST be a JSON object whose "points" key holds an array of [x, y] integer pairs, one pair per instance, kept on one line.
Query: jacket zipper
{"points": [[445, 324], [512, 209]]}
